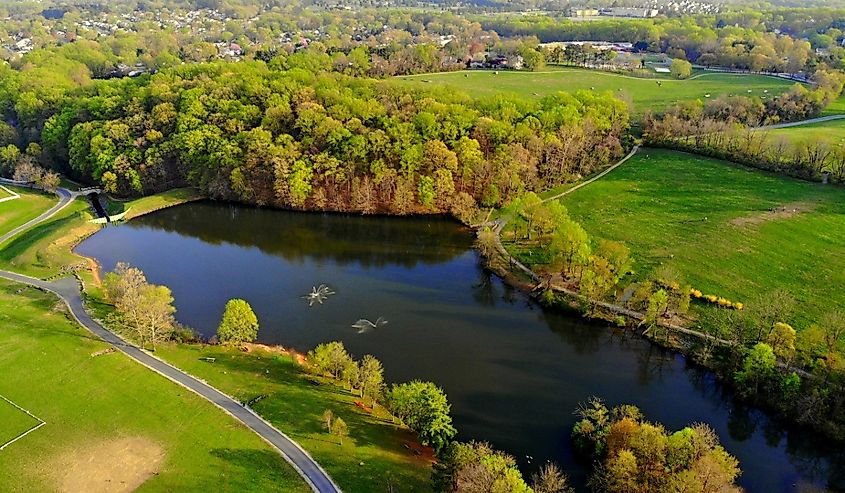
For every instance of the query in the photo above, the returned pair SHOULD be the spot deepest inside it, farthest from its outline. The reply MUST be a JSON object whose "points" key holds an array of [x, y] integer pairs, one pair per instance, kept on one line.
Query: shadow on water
{"points": [[514, 372]]}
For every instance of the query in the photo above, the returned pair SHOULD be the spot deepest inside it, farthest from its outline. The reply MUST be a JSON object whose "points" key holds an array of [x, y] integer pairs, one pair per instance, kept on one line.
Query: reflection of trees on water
{"points": [[652, 362], [489, 289], [582, 336], [484, 290], [805, 451], [300, 236]]}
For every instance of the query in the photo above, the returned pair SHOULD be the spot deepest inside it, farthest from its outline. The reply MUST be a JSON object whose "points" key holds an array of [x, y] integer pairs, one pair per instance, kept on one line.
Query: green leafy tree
{"points": [[340, 429], [680, 68], [424, 408], [757, 367], [239, 323], [782, 341], [370, 378], [330, 358], [658, 303], [570, 246]]}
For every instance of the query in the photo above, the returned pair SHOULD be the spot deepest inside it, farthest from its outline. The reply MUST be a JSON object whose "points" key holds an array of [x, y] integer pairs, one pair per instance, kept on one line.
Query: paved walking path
{"points": [[802, 122], [67, 289], [65, 198]]}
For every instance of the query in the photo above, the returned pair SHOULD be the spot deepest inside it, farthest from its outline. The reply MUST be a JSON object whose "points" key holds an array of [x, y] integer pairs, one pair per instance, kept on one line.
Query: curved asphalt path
{"points": [[802, 122], [67, 289], [65, 198]]}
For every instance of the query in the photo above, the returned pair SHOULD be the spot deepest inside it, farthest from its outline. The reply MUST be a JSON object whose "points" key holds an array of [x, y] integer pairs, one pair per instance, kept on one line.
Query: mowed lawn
{"points": [[645, 93], [30, 205], [730, 231], [832, 132], [112, 423], [376, 456]]}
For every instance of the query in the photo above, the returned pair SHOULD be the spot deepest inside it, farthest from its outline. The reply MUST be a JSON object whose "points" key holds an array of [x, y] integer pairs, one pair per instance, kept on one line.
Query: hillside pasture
{"points": [[654, 94], [730, 231]]}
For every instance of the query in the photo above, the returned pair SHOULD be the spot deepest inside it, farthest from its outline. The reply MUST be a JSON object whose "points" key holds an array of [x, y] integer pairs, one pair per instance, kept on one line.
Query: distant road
{"points": [[801, 123]]}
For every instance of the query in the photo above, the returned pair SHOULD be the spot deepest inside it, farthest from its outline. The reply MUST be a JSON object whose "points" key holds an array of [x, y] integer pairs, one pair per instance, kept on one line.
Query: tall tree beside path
{"points": [[143, 308], [239, 323]]}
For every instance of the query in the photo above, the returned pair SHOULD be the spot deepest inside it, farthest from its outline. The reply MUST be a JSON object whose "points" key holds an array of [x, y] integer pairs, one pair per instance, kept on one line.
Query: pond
{"points": [[514, 371]]}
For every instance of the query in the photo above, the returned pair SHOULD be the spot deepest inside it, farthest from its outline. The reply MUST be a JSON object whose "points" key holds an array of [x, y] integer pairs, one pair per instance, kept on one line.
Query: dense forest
{"points": [[295, 134], [782, 40]]}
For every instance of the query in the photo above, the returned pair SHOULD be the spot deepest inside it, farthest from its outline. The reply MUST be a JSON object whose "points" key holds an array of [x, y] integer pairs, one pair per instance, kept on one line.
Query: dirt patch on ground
{"points": [[119, 465], [775, 213]]}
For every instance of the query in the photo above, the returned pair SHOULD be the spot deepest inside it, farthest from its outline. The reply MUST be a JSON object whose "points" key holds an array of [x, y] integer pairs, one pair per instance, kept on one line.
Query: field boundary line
{"points": [[41, 423], [13, 195]]}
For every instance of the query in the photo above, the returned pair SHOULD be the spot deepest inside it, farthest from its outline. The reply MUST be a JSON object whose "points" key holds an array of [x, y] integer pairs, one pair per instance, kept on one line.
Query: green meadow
{"points": [[729, 231], [656, 93]]}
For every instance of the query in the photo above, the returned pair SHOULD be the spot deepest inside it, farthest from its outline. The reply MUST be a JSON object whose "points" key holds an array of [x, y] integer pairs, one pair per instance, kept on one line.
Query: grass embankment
{"points": [[293, 404], [646, 94], [30, 205], [109, 420], [729, 231], [373, 456], [830, 132]]}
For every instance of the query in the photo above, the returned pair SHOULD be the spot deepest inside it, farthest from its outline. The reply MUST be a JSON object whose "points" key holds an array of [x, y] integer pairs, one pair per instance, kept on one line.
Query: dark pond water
{"points": [[513, 371]]}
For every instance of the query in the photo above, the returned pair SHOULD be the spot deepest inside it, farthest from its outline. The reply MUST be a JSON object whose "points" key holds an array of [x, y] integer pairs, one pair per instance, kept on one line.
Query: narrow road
{"points": [[802, 122], [65, 198], [68, 290]]}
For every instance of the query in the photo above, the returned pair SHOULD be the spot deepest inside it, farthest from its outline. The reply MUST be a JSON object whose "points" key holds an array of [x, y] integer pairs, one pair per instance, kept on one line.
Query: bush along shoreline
{"points": [[796, 376]]}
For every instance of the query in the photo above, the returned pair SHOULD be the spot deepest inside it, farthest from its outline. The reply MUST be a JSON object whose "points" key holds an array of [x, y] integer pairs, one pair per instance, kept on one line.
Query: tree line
{"points": [[768, 40], [723, 128]]}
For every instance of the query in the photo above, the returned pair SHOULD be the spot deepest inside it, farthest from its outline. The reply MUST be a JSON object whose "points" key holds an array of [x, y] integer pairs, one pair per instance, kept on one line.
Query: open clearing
{"points": [[730, 231], [119, 465], [113, 424], [13, 213], [645, 93]]}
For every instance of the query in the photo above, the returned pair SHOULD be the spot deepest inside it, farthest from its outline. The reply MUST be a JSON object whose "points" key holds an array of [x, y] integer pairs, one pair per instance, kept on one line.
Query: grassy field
{"points": [[730, 231], [13, 213], [111, 422], [831, 132], [373, 455], [644, 93]]}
